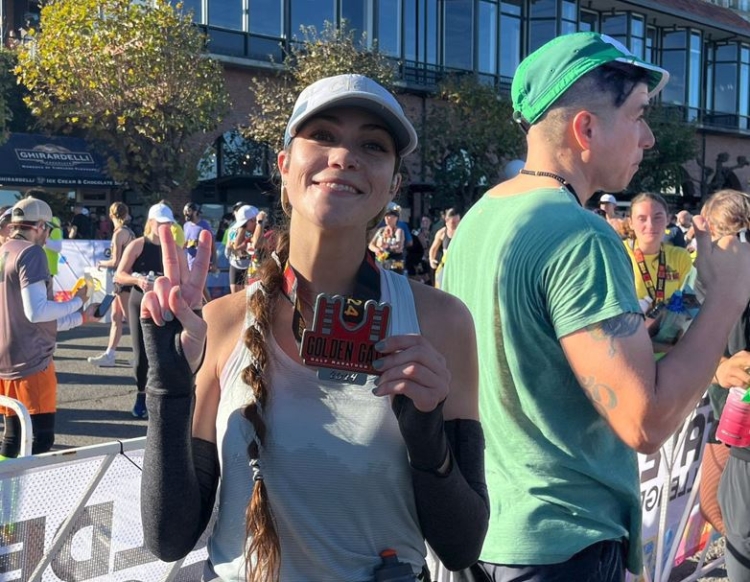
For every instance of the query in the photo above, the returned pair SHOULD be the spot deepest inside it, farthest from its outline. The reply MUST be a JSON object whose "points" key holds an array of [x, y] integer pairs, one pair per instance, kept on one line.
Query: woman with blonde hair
{"points": [[122, 236], [728, 213], [362, 436], [140, 265]]}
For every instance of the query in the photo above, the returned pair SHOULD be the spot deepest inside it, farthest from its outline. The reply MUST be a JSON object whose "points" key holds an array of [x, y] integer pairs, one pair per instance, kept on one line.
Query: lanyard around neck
{"points": [[366, 287], [656, 294]]}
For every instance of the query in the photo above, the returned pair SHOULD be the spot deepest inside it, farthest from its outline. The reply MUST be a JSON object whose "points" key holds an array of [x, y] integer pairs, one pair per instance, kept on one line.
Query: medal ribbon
{"points": [[656, 294], [366, 286]]}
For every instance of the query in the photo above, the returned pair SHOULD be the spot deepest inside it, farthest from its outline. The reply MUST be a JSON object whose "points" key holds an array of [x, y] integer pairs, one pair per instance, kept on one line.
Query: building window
{"points": [[588, 22], [674, 60], [744, 108], [487, 37], [695, 66], [357, 14], [551, 18], [304, 13], [225, 14], [266, 17], [458, 23], [389, 27], [726, 72], [510, 38], [197, 7]]}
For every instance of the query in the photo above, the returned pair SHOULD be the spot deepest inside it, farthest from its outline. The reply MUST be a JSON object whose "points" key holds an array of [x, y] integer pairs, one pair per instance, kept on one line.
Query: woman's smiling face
{"points": [[339, 169]]}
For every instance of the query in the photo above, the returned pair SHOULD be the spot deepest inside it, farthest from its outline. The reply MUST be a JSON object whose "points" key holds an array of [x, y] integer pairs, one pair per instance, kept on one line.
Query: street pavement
{"points": [[94, 403]]}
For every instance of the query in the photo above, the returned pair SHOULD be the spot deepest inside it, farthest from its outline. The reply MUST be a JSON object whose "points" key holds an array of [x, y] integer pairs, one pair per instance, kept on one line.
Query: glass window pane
{"points": [[569, 10], [310, 13], [745, 54], [410, 30], [389, 20], [725, 88], [637, 46], [589, 21], [265, 17], [540, 32], [675, 40], [726, 52], [225, 13], [637, 27], [431, 31], [459, 30], [487, 55], [223, 42], [543, 9], [615, 24], [674, 91], [694, 62], [511, 7], [510, 45], [263, 49], [355, 13], [195, 6], [744, 95], [568, 27]]}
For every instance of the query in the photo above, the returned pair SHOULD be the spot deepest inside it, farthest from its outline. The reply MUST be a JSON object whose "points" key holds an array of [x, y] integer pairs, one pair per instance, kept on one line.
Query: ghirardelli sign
{"points": [[53, 156]]}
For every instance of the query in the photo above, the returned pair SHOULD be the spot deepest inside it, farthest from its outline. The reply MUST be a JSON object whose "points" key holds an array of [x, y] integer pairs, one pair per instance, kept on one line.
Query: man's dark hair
{"points": [[616, 80]]}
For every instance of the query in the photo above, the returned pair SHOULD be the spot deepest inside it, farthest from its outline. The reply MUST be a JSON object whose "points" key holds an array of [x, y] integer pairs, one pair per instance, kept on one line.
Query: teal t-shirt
{"points": [[533, 268]]}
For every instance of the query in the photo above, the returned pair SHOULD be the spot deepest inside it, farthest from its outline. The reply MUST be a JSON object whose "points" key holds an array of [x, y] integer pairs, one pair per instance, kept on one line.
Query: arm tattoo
{"points": [[603, 397], [623, 325]]}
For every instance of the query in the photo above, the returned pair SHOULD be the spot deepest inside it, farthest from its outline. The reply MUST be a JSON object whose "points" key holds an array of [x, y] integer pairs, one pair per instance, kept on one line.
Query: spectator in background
{"points": [[235, 208], [53, 246], [80, 225], [673, 234], [439, 247], [4, 223], [141, 257], [29, 322], [192, 227], [224, 224], [122, 236], [241, 243], [608, 204], [104, 227]]}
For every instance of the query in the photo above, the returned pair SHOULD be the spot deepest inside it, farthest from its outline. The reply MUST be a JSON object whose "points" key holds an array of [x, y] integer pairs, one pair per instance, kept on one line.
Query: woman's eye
{"points": [[375, 146], [321, 135]]}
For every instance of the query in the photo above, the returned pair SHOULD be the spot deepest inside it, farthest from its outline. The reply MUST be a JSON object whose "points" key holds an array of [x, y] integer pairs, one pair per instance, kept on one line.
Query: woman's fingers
{"points": [[151, 308], [162, 287], [169, 257], [193, 336], [411, 366]]}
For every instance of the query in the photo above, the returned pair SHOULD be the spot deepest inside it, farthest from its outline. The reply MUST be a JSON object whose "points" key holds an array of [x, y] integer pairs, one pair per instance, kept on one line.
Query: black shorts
{"points": [[237, 276]]}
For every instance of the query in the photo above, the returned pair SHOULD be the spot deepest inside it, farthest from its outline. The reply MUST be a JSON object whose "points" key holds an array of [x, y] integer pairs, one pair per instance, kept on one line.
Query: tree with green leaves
{"points": [[468, 137], [132, 77], [333, 51], [661, 169]]}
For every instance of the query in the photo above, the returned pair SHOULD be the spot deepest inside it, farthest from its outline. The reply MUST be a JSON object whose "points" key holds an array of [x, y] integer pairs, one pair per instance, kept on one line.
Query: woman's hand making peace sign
{"points": [[179, 292]]}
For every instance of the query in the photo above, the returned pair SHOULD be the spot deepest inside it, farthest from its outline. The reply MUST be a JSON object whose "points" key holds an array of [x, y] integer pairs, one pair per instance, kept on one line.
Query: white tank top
{"points": [[334, 463]]}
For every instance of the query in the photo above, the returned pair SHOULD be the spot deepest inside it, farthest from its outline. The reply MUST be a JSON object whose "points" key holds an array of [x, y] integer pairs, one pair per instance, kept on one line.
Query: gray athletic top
{"points": [[334, 463]]}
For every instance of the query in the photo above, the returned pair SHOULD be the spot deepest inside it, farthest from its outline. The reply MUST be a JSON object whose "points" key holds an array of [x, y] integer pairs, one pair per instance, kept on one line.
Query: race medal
{"points": [[343, 351]]}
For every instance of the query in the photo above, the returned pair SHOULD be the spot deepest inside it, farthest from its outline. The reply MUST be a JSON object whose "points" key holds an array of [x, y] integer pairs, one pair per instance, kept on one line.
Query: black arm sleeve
{"points": [[180, 473], [454, 510]]}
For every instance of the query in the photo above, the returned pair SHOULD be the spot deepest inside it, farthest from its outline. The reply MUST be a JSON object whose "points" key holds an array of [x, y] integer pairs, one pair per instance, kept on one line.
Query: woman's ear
{"points": [[282, 160], [395, 184]]}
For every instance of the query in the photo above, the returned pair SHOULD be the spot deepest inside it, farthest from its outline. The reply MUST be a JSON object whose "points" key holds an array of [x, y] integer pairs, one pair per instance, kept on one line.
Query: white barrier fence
{"points": [[74, 515]]}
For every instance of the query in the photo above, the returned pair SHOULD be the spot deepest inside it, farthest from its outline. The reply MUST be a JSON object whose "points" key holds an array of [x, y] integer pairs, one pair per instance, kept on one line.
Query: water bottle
{"points": [[392, 570], [151, 277], [676, 320]]}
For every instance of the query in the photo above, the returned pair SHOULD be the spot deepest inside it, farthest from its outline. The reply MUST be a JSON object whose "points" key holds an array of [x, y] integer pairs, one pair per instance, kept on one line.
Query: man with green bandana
{"points": [[569, 389]]}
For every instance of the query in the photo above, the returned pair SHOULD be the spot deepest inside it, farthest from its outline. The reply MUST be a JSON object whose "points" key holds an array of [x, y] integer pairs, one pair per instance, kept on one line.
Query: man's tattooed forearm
{"points": [[603, 397], [609, 330]]}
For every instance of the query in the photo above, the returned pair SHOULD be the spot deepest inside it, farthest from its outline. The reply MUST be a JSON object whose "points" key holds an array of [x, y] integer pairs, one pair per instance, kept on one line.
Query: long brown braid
{"points": [[263, 553]]}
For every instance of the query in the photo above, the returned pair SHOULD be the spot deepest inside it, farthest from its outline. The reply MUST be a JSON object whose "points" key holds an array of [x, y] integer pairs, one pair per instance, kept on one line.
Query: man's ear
{"points": [[584, 127]]}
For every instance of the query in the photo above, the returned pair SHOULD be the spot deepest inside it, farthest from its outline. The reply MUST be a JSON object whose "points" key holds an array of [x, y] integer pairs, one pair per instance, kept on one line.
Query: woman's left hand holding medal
{"points": [[177, 294]]}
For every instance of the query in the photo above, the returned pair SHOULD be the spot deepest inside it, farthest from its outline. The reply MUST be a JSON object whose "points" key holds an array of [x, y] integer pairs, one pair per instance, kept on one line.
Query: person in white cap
{"points": [[344, 465], [242, 243], [608, 203], [140, 265], [569, 381], [30, 320], [5, 223]]}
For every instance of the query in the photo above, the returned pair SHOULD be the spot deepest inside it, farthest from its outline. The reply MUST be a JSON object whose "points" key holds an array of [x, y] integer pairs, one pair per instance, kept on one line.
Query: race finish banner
{"points": [[74, 515]]}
